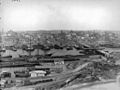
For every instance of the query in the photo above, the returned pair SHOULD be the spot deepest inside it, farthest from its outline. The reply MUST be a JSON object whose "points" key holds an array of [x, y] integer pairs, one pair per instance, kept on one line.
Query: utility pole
{"points": [[30, 47], [38, 46]]}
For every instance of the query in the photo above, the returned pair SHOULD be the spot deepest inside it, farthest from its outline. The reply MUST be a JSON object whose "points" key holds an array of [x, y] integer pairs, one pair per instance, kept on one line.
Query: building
{"points": [[37, 73]]}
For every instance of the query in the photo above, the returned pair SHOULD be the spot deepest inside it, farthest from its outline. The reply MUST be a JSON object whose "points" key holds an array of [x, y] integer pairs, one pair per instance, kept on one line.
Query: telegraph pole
{"points": [[30, 45]]}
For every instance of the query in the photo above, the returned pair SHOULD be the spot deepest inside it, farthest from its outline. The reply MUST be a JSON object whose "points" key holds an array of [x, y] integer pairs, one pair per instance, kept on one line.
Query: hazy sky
{"points": [[60, 14]]}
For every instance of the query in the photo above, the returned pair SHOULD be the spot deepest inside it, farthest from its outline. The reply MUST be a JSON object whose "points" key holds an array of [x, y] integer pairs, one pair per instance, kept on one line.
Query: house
{"points": [[37, 73]]}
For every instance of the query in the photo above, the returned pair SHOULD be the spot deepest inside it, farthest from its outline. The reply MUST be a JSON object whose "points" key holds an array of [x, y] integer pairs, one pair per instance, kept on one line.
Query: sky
{"points": [[59, 15]]}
